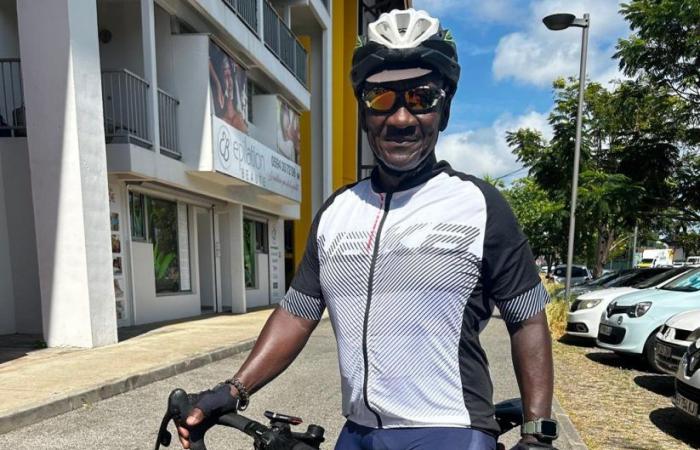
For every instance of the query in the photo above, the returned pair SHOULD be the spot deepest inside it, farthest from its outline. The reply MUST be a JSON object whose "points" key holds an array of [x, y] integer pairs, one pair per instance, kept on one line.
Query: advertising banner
{"points": [[229, 88], [240, 156], [288, 132]]}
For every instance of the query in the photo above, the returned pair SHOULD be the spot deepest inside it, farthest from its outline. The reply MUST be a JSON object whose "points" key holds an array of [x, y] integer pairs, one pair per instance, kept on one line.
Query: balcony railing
{"points": [[167, 115], [247, 10], [12, 120], [124, 97], [282, 42]]}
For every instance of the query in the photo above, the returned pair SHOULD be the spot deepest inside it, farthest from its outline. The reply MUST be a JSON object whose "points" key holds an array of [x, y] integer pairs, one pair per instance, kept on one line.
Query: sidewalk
{"points": [[38, 384]]}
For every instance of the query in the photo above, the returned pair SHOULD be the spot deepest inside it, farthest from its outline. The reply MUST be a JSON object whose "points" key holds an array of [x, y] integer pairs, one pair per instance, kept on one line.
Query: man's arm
{"points": [[281, 340], [531, 348]]}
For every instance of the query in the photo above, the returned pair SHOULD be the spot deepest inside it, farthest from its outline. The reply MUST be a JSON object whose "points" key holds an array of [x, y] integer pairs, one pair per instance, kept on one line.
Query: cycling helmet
{"points": [[406, 39]]}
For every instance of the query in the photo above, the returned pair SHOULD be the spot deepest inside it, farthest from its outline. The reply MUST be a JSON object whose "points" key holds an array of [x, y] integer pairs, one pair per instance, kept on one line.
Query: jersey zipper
{"points": [[377, 234]]}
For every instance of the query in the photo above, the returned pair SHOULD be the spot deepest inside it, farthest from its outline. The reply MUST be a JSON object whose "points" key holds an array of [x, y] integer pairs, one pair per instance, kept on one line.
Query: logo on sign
{"points": [[224, 146]]}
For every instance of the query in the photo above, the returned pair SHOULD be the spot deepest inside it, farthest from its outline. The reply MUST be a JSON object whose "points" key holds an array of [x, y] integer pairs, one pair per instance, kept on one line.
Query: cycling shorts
{"points": [[358, 437]]}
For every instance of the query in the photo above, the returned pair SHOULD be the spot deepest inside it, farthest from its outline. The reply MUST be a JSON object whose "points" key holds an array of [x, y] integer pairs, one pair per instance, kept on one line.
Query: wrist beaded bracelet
{"points": [[242, 392]]}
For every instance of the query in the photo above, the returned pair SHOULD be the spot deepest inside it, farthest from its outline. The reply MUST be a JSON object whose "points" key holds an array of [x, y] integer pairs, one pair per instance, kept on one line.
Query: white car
{"points": [[674, 338], [584, 314], [687, 395]]}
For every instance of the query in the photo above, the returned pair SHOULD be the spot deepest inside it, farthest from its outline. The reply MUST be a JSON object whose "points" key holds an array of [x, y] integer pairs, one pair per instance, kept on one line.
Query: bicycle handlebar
{"points": [[276, 437]]}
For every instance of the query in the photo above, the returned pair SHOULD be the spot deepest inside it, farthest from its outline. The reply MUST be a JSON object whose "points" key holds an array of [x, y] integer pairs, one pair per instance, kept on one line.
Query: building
{"points": [[152, 157]]}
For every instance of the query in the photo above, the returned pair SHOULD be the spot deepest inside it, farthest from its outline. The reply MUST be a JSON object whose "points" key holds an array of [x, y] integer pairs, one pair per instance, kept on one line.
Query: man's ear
{"points": [[445, 117], [363, 122]]}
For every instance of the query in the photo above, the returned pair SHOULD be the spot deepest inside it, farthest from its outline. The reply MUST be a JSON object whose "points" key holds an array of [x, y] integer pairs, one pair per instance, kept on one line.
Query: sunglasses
{"points": [[417, 100]]}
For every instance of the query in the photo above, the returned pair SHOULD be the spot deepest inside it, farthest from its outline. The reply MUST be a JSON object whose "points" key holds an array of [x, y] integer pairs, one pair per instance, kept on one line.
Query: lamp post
{"points": [[561, 22]]}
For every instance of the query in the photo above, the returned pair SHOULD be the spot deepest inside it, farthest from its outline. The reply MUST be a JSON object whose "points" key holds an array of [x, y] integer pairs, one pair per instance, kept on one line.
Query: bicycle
{"points": [[279, 435]]}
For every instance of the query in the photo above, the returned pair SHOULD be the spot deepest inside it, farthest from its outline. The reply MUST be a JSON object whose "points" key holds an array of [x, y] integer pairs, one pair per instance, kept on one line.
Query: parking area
{"points": [[619, 402]]}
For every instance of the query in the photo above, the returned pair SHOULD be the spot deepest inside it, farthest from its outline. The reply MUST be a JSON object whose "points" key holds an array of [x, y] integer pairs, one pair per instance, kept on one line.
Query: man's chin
{"points": [[404, 164]]}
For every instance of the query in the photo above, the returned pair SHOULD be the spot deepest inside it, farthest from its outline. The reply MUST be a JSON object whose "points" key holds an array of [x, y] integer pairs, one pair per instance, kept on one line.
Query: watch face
{"points": [[548, 427]]}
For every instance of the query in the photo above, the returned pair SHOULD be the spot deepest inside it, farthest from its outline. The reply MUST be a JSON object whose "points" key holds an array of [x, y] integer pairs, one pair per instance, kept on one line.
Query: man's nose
{"points": [[402, 118]]}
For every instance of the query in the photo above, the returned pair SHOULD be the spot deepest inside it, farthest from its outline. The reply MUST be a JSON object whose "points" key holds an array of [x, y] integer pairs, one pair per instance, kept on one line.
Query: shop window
{"points": [[138, 216], [164, 224], [254, 242]]}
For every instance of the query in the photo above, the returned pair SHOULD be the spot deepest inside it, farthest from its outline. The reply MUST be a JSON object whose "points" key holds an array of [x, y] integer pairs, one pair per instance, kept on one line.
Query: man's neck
{"points": [[385, 179]]}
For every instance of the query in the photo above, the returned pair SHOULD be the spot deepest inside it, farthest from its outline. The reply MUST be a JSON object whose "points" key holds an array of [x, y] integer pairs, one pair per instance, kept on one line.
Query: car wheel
{"points": [[649, 352]]}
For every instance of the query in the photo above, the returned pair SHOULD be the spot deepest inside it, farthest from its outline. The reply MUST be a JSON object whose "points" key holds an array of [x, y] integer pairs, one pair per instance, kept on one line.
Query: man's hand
{"points": [[531, 443], [210, 404]]}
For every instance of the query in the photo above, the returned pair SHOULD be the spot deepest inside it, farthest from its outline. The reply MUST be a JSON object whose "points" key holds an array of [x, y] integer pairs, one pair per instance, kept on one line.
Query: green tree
{"points": [[540, 216]]}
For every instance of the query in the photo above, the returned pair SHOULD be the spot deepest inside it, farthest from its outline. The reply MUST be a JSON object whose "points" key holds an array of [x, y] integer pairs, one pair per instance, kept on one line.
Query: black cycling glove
{"points": [[216, 401]]}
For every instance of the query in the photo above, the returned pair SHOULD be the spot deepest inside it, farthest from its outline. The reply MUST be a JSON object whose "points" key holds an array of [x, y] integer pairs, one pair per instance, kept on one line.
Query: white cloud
{"points": [[536, 55], [484, 150]]}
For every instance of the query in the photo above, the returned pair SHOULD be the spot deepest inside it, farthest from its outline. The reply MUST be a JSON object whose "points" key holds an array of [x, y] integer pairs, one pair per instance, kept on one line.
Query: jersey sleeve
{"points": [[511, 278], [304, 297]]}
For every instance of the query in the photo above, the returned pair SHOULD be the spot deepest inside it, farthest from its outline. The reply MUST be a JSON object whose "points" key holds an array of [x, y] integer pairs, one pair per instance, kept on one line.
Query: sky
{"points": [[508, 60]]}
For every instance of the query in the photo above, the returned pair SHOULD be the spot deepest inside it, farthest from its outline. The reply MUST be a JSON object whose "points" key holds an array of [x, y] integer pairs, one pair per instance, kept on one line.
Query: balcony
{"points": [[12, 120], [124, 98], [283, 43], [167, 115], [247, 10]]}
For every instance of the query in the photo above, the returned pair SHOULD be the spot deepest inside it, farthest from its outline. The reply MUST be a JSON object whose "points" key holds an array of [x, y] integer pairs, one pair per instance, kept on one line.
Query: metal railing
{"points": [[247, 10], [12, 118], [167, 119], [283, 43], [124, 98]]}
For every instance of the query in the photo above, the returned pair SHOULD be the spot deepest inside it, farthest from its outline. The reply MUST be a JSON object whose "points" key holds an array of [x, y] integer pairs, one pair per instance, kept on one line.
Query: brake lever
{"points": [[179, 406]]}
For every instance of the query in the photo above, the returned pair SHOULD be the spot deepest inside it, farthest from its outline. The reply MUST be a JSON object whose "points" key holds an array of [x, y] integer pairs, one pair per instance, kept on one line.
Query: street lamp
{"points": [[561, 22]]}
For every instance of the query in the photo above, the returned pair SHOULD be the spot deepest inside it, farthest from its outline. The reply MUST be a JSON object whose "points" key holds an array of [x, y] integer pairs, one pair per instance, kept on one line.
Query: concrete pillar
{"points": [[232, 266], [67, 160], [318, 120], [327, 64], [150, 70]]}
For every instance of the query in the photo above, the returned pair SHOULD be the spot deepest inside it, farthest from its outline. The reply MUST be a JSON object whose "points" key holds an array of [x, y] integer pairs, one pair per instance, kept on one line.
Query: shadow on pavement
{"points": [[620, 361], [676, 424], [577, 341], [658, 384], [14, 346]]}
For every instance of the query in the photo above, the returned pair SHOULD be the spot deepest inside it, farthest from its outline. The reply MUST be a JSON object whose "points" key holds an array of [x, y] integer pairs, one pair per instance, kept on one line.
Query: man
{"points": [[409, 264]]}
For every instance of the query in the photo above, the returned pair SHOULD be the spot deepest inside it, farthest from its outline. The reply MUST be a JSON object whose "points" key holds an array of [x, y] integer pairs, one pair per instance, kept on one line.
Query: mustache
{"points": [[401, 133]]}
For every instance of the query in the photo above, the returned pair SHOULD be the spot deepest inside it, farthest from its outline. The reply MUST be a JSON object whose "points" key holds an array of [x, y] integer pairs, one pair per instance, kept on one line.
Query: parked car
{"points": [[687, 395], [584, 314], [674, 338], [692, 261], [630, 322], [579, 274]]}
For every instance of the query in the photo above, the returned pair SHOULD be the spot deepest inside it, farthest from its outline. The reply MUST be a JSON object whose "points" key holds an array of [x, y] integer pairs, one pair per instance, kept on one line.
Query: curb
{"points": [[567, 431], [75, 400]]}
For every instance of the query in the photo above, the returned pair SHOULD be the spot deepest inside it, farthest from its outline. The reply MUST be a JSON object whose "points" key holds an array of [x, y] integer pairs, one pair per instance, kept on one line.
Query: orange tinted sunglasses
{"points": [[417, 100]]}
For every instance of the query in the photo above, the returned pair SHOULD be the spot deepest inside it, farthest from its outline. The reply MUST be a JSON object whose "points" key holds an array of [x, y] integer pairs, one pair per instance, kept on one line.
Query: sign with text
{"points": [[240, 156]]}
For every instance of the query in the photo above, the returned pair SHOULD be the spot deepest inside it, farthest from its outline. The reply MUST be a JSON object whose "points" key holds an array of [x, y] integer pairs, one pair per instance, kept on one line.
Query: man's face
{"points": [[401, 138]]}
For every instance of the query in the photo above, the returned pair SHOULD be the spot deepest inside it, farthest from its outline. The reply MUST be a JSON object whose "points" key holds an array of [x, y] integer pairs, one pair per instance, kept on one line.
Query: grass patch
{"points": [[556, 317], [616, 402]]}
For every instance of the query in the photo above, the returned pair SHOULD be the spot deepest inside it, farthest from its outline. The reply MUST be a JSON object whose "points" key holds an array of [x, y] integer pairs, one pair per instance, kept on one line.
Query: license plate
{"points": [[605, 330], [663, 350], [685, 404]]}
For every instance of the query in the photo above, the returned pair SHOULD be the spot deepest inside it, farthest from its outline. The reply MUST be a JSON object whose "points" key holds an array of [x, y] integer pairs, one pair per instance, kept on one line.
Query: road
{"points": [[310, 388]]}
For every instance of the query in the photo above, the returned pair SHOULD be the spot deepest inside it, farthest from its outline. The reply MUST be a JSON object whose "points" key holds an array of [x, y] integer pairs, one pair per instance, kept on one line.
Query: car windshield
{"points": [[576, 272], [603, 279], [637, 276], [689, 282], [647, 260], [660, 278]]}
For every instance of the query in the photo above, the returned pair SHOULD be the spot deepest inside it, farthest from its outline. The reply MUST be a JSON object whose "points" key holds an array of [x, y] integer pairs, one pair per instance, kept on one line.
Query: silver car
{"points": [[579, 274]]}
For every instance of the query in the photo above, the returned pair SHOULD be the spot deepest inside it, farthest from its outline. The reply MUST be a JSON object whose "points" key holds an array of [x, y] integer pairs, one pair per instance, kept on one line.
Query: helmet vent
{"points": [[403, 28]]}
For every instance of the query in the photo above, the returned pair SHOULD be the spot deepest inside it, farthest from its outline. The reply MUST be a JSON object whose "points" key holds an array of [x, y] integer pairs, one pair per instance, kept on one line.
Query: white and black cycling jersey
{"points": [[410, 278]]}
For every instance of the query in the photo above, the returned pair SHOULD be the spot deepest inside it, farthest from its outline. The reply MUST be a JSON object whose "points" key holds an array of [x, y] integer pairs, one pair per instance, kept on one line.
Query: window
{"points": [[164, 224], [254, 242]]}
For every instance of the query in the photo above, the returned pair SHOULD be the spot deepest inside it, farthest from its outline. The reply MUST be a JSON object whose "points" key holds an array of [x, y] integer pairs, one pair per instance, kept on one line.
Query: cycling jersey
{"points": [[410, 278]]}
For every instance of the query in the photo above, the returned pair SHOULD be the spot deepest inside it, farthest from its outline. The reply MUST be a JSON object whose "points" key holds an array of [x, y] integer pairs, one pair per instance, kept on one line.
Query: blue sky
{"points": [[509, 60]]}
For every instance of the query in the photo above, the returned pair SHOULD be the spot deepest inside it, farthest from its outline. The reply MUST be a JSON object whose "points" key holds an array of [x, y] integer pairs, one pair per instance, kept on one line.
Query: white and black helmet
{"points": [[404, 39]]}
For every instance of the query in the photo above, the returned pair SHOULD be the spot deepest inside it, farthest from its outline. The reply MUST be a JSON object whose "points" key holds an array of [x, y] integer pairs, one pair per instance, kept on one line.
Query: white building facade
{"points": [[149, 157]]}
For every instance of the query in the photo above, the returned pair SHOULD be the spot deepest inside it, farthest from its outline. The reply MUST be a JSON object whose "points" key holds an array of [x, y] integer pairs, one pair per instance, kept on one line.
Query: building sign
{"points": [[240, 156]]}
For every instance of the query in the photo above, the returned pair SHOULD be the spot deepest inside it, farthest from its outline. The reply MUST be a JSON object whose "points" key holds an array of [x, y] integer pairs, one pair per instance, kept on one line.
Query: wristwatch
{"points": [[541, 429]]}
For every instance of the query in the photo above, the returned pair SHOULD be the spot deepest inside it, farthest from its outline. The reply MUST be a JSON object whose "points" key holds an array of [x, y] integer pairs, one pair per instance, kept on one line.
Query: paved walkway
{"points": [[39, 383]]}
